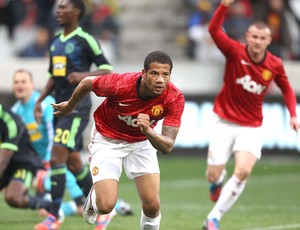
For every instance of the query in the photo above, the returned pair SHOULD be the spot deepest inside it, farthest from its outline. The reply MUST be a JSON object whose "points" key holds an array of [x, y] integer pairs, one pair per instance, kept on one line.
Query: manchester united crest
{"points": [[157, 110], [95, 171], [266, 75]]}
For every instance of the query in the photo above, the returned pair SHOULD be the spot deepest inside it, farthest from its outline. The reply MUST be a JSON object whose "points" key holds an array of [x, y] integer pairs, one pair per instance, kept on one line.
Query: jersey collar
{"points": [[65, 38]]}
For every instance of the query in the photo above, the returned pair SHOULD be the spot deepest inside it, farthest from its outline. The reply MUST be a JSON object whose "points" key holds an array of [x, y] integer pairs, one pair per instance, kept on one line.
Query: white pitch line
{"points": [[279, 227]]}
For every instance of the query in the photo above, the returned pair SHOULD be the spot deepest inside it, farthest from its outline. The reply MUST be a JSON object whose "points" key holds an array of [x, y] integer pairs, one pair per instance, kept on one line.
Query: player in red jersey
{"points": [[123, 134], [238, 107]]}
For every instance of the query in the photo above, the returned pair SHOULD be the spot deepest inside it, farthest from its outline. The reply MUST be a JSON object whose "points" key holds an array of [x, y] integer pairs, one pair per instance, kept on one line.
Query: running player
{"points": [[123, 134], [250, 69]]}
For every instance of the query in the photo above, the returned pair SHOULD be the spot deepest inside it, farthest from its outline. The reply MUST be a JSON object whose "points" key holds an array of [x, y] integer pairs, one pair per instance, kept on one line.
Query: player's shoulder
{"points": [[274, 63], [174, 92], [88, 40], [275, 60], [174, 88], [56, 36], [127, 76], [85, 35]]}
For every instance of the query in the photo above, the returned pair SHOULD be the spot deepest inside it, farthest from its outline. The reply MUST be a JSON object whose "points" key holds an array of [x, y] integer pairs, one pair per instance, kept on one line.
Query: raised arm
{"points": [[221, 39], [66, 107], [219, 16]]}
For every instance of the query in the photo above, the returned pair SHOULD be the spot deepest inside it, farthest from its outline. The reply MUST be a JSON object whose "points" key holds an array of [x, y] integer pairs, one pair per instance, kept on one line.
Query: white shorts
{"points": [[228, 138], [108, 155]]}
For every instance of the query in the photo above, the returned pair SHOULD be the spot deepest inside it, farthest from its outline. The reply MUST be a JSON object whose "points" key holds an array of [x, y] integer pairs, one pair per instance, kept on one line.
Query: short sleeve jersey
{"points": [[14, 136], [75, 52], [116, 117], [41, 135], [245, 82]]}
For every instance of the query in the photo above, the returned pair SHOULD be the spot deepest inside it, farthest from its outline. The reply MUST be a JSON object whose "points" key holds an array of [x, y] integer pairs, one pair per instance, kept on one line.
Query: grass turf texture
{"points": [[270, 200]]}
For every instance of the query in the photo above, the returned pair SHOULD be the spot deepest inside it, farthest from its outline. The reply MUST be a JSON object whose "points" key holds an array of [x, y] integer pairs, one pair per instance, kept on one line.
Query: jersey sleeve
{"points": [[221, 39], [288, 93], [10, 132], [97, 55], [175, 110], [109, 85]]}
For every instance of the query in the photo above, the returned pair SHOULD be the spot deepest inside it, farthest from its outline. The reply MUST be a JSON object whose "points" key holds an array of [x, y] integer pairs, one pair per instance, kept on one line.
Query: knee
{"points": [[104, 206], [151, 208], [55, 161], [242, 173], [13, 201]]}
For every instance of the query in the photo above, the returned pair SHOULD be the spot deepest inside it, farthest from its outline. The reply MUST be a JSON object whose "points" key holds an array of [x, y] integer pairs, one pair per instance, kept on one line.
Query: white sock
{"points": [[148, 223], [93, 198], [229, 195]]}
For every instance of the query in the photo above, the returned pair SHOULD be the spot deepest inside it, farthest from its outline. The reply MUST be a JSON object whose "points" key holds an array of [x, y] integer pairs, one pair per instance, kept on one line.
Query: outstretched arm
{"points": [[66, 107]]}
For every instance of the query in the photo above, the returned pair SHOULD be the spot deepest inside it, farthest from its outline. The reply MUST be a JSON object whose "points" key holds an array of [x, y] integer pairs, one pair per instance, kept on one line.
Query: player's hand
{"points": [[61, 109], [227, 2], [38, 112], [143, 121], [295, 125], [75, 77]]}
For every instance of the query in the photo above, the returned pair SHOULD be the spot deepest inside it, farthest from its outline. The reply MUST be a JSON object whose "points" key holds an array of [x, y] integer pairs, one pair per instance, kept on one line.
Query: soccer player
{"points": [[18, 163], [72, 52], [123, 134], [41, 135], [249, 71]]}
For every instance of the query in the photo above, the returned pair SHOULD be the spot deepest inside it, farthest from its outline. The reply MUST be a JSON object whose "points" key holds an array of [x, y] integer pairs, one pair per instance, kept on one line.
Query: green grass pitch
{"points": [[271, 199]]}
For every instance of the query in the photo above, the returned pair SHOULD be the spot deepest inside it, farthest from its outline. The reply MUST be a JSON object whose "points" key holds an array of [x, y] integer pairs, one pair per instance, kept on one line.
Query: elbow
{"points": [[210, 29], [86, 83], [167, 150], [212, 32]]}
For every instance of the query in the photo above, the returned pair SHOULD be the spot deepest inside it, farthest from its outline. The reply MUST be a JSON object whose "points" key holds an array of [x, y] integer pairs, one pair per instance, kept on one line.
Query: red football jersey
{"points": [[245, 82], [116, 117]]}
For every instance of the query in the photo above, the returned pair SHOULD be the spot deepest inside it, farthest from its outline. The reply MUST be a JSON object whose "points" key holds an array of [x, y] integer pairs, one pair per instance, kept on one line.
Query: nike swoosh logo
{"points": [[122, 104], [243, 62]]}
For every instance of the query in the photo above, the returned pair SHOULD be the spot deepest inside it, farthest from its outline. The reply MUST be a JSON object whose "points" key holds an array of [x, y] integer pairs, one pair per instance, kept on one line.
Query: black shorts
{"points": [[20, 174], [69, 130]]}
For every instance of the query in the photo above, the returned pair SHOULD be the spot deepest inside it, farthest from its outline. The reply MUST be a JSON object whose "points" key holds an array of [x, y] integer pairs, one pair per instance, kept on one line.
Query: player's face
{"points": [[64, 13], [155, 80], [22, 86], [258, 39]]}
